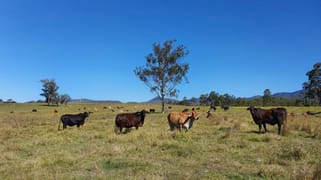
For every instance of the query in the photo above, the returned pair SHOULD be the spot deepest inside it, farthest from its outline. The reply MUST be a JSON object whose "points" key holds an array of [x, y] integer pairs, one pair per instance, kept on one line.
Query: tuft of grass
{"points": [[317, 172]]}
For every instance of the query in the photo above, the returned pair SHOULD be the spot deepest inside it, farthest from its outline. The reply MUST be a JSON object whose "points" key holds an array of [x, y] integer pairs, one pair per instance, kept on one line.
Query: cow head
{"points": [[141, 114], [86, 114], [252, 109], [195, 115]]}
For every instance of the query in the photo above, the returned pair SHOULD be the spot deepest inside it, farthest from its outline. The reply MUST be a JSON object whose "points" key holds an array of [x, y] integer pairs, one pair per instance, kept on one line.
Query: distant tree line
{"points": [[8, 101], [214, 98], [311, 95]]}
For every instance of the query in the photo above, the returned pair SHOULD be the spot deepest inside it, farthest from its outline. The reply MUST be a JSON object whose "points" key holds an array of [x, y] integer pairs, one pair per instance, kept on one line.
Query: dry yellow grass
{"points": [[226, 146]]}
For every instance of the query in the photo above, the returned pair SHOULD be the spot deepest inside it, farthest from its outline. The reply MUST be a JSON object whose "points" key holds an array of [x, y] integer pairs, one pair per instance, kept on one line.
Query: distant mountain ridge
{"points": [[291, 95], [157, 100], [287, 95], [85, 100]]}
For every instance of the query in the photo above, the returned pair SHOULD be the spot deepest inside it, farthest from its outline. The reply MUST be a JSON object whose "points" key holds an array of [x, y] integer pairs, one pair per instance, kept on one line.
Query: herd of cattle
{"points": [[180, 120]]}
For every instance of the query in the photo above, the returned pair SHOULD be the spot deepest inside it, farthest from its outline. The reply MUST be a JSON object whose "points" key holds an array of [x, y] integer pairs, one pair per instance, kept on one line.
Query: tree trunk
{"points": [[163, 104]]}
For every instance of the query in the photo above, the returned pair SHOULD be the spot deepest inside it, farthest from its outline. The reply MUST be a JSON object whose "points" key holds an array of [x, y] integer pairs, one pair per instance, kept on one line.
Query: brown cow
{"points": [[182, 120], [129, 120]]}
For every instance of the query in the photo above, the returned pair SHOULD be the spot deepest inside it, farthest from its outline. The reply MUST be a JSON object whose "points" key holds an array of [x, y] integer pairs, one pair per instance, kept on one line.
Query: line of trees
{"points": [[214, 98], [311, 95]]}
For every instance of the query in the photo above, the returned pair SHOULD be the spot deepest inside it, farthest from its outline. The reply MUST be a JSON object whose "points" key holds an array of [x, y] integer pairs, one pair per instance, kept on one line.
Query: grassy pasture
{"points": [[226, 146]]}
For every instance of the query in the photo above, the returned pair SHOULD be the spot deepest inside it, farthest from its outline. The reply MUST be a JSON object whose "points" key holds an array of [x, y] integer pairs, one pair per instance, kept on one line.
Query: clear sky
{"points": [[91, 47]]}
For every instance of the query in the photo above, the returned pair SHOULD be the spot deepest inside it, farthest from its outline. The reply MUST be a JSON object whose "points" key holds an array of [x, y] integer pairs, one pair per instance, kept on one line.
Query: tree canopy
{"points": [[163, 71], [50, 90], [312, 87]]}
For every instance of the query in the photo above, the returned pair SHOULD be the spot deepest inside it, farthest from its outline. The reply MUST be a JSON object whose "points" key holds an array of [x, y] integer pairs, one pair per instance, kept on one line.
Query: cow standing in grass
{"points": [[73, 119], [129, 120], [182, 120], [268, 116]]}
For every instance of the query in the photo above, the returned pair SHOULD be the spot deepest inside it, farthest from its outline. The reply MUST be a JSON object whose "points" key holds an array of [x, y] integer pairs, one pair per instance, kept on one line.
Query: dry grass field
{"points": [[226, 146]]}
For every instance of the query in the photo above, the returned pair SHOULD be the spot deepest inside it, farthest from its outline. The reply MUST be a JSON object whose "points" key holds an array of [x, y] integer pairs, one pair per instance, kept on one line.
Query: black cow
{"points": [[212, 107], [268, 116], [225, 107], [129, 120], [73, 119]]}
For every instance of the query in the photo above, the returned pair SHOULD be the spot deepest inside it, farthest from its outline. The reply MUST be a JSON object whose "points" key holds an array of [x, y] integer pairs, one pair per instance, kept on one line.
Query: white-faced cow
{"points": [[181, 120], [73, 119], [129, 120], [268, 116]]}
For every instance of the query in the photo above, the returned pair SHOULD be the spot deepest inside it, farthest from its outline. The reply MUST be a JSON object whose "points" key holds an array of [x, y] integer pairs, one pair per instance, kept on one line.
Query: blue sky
{"points": [[91, 47]]}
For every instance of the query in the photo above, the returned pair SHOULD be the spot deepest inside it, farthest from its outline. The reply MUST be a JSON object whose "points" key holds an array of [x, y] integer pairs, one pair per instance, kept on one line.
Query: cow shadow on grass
{"points": [[255, 132], [124, 131]]}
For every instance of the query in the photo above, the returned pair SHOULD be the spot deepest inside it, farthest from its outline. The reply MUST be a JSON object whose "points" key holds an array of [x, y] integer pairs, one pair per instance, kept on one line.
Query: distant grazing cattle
{"points": [[312, 113], [185, 110], [73, 119], [55, 111], [169, 107], [209, 114], [129, 120], [95, 109], [268, 116], [225, 107], [182, 120], [152, 110], [212, 107], [34, 110]]}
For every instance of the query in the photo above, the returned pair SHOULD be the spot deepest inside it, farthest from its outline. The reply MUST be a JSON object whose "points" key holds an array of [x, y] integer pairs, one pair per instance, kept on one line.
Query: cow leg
{"points": [[264, 125], [78, 125], [260, 127], [171, 126], [120, 129], [64, 126], [279, 128]]}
